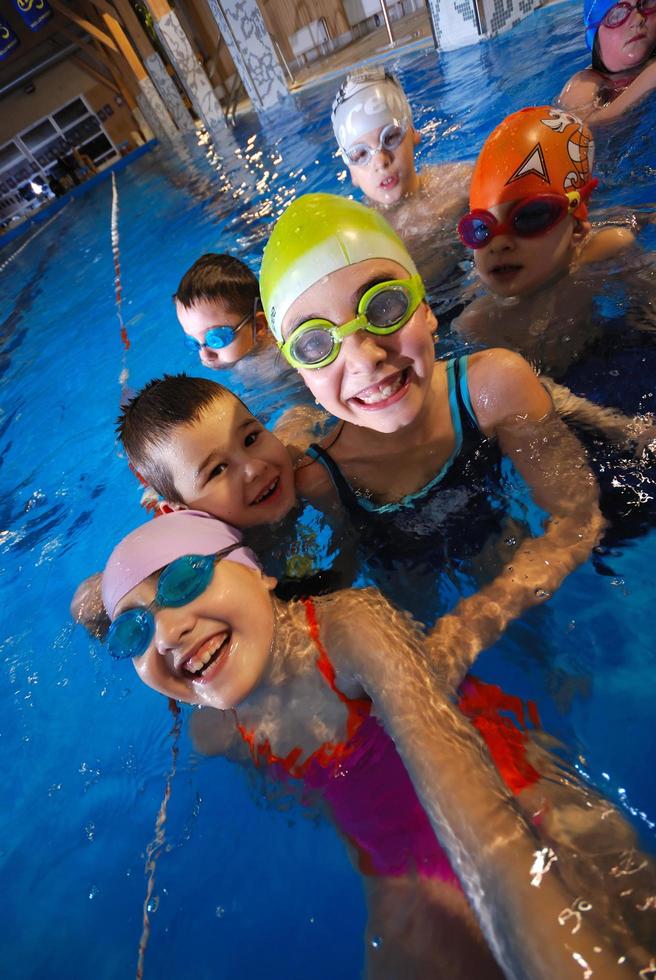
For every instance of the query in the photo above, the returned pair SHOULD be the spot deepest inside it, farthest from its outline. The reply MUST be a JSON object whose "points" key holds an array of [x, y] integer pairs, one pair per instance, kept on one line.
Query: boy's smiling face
{"points": [[227, 464], [514, 266], [205, 314], [390, 174]]}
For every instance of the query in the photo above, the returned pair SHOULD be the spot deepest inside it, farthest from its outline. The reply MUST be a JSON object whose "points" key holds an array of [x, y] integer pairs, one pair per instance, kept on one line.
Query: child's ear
{"points": [[415, 137], [269, 581], [261, 322], [431, 320]]}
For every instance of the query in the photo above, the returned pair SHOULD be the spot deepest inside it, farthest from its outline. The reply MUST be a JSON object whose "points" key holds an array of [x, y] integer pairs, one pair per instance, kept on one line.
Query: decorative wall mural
{"points": [[190, 73], [242, 28]]}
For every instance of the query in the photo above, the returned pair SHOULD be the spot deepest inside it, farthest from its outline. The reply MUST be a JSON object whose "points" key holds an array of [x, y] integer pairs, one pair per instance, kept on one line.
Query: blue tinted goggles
{"points": [[180, 582], [217, 338]]}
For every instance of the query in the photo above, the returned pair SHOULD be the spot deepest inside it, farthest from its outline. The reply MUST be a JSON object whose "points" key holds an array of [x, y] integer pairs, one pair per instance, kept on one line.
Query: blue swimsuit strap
{"points": [[463, 419]]}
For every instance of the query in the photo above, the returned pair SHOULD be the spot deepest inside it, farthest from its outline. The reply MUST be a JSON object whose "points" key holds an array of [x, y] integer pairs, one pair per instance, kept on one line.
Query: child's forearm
{"points": [[553, 464], [535, 927], [608, 422], [644, 84], [533, 574]]}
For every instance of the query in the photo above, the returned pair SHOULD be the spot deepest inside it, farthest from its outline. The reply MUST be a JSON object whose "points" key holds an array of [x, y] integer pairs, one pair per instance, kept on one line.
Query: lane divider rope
{"points": [[156, 845]]}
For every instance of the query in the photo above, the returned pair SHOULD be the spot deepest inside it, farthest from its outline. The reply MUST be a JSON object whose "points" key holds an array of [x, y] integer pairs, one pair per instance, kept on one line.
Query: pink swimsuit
{"points": [[367, 788]]}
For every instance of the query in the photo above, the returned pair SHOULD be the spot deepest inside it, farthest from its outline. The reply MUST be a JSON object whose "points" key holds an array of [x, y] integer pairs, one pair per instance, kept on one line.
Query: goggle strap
{"points": [[588, 188]]}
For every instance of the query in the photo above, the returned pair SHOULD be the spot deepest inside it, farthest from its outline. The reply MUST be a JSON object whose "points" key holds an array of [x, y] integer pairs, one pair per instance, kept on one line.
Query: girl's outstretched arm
{"points": [[511, 404], [582, 91], [534, 925]]}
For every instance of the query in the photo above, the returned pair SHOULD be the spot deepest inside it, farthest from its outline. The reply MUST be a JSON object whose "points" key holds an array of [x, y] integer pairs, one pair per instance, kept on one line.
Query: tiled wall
{"points": [[458, 23]]}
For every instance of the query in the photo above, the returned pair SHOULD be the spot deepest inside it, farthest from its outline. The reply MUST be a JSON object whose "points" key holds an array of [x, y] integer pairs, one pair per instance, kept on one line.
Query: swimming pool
{"points": [[244, 887]]}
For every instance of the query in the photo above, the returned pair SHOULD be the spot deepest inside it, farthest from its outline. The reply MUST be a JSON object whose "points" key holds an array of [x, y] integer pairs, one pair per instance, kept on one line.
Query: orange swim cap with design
{"points": [[540, 150]]}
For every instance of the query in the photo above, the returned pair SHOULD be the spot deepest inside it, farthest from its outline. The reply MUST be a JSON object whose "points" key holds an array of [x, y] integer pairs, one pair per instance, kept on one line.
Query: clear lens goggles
{"points": [[529, 218], [620, 13], [391, 137], [217, 338], [384, 309], [180, 582]]}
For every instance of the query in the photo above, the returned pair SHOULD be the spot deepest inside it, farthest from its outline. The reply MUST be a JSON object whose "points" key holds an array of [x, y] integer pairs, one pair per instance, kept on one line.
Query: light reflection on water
{"points": [[85, 747]]}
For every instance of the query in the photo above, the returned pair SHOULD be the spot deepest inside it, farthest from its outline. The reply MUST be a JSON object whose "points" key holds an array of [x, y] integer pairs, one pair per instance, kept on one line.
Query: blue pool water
{"points": [[245, 887]]}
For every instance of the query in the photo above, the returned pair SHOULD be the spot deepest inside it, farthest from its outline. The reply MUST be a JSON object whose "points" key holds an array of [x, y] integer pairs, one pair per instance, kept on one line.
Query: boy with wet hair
{"points": [[217, 305], [373, 125], [198, 447]]}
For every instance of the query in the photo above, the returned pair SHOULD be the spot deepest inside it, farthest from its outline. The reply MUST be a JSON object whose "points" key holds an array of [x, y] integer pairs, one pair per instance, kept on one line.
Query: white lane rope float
{"points": [[35, 234], [156, 845], [125, 340]]}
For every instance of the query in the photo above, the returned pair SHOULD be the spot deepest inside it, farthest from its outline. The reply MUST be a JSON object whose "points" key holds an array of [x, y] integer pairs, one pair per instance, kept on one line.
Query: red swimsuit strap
{"points": [[358, 710]]}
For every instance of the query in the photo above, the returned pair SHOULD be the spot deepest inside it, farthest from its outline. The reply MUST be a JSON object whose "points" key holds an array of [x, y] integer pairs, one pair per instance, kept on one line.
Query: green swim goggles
{"points": [[384, 309]]}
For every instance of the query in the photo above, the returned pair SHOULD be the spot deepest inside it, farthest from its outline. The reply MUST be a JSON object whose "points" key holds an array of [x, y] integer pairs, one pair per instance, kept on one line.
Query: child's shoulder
{"points": [[582, 90], [476, 321], [446, 185], [503, 386], [605, 243]]}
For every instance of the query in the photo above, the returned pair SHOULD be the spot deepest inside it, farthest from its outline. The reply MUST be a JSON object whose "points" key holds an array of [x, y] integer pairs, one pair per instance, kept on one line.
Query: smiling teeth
{"points": [[267, 491], [197, 664], [370, 396]]}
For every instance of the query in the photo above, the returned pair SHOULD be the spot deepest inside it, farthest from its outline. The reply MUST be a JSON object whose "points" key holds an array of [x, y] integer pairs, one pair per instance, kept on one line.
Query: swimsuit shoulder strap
{"points": [[345, 491], [358, 710], [461, 393]]}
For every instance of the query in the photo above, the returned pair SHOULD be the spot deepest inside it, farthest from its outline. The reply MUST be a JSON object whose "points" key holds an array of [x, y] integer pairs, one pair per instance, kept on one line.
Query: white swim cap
{"points": [[368, 99]]}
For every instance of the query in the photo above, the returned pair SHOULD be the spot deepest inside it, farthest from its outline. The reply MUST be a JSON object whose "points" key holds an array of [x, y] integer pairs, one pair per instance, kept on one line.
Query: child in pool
{"points": [[217, 305], [529, 230], [191, 608], [196, 445], [533, 246], [417, 438], [373, 126], [622, 38]]}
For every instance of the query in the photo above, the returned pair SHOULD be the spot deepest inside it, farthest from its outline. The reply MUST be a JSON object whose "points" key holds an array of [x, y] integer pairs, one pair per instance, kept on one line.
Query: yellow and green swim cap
{"points": [[316, 235]]}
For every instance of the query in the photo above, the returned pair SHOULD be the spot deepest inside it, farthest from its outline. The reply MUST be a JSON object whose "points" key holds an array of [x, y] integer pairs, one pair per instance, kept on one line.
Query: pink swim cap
{"points": [[162, 540]]}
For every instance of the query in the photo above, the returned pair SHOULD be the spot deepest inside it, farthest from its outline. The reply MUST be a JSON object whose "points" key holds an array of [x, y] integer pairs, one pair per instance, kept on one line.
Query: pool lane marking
{"points": [[14, 255], [118, 289], [156, 845]]}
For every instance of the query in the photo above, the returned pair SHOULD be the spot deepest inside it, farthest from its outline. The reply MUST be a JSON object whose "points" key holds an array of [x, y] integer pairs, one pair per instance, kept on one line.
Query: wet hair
{"points": [[597, 60], [147, 420], [216, 276]]}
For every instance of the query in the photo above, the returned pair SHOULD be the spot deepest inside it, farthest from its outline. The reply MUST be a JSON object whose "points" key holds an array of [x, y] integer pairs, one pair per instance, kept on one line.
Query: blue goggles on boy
{"points": [[219, 337], [180, 582]]}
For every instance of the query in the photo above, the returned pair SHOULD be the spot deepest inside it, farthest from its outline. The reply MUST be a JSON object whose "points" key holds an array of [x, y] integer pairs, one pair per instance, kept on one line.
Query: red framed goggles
{"points": [[620, 13], [529, 218]]}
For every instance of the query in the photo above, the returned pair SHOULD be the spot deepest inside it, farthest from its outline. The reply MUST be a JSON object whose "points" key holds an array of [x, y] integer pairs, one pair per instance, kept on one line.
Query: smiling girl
{"points": [[307, 685], [418, 440]]}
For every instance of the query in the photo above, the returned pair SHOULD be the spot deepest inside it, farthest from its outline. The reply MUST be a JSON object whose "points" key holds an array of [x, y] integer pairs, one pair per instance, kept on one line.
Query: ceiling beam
{"points": [[85, 25]]}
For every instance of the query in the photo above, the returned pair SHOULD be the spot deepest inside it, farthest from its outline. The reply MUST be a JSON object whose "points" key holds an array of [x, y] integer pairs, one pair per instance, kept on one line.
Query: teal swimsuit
{"points": [[446, 522]]}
